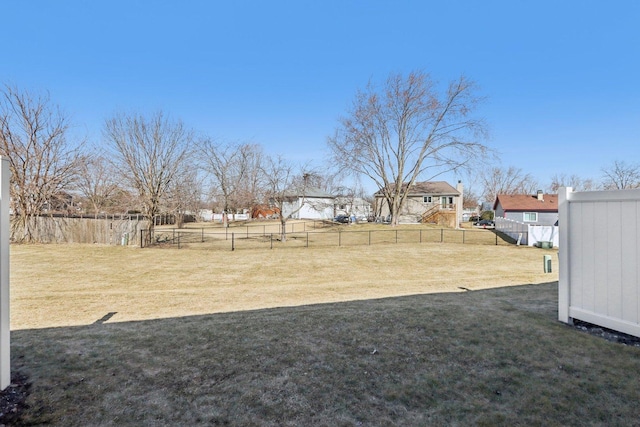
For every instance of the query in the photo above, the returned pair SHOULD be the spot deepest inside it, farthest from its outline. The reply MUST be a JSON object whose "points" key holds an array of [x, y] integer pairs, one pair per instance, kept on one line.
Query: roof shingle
{"points": [[527, 202], [430, 187]]}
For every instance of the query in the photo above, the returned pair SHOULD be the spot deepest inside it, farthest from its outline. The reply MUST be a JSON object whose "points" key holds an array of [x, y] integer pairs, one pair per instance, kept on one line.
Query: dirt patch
{"points": [[13, 398]]}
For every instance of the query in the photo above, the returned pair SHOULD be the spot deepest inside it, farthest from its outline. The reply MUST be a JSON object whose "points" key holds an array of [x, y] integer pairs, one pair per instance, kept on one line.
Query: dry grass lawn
{"points": [[70, 285], [359, 336]]}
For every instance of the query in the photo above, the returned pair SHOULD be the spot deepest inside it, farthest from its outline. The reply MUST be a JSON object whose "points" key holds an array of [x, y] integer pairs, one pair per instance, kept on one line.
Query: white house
{"points": [[357, 206], [312, 203]]}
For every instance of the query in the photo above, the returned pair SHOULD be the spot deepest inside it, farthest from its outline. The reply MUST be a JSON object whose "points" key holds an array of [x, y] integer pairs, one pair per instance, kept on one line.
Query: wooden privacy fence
{"points": [[599, 258], [110, 230]]}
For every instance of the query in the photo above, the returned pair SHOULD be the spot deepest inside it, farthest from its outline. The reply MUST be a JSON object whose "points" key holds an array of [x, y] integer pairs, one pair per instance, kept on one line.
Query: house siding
{"points": [[415, 207], [312, 208], [412, 206], [544, 218]]}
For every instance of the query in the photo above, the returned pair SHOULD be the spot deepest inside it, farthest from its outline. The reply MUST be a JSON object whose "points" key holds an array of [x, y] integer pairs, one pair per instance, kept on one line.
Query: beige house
{"points": [[435, 202]]}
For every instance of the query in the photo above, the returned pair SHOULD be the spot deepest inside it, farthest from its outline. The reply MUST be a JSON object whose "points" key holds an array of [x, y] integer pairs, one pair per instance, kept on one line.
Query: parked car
{"points": [[344, 219], [485, 223]]}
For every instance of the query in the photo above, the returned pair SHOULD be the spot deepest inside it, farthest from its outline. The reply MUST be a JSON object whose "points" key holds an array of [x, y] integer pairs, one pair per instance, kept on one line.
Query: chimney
{"points": [[540, 196]]}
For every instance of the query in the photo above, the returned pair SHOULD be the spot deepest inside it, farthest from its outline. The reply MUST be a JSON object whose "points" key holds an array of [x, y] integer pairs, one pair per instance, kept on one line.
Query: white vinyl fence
{"points": [[209, 215], [528, 234], [599, 257], [5, 342]]}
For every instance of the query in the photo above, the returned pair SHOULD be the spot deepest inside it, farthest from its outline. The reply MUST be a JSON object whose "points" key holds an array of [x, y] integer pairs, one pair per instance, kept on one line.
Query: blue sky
{"points": [[561, 77]]}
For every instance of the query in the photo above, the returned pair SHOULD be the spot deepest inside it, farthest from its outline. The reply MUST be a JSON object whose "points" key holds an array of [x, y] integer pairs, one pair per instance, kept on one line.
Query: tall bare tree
{"points": [[621, 175], [97, 183], [512, 180], [43, 163], [150, 153], [235, 172], [184, 195], [406, 129]]}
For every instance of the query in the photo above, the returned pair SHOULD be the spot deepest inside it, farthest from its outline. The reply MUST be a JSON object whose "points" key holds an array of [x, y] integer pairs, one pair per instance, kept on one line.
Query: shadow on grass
{"points": [[105, 318], [487, 357]]}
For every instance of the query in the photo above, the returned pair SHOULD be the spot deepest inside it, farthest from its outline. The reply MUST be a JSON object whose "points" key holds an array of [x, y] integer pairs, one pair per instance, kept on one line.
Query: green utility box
{"points": [[546, 259]]}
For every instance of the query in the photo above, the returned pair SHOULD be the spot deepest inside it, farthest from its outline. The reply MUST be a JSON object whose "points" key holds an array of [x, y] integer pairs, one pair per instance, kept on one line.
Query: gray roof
{"points": [[440, 188], [310, 192]]}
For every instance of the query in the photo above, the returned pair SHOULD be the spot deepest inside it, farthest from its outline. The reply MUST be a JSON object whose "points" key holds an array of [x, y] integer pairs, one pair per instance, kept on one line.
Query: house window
{"points": [[530, 217], [446, 201], [426, 199]]}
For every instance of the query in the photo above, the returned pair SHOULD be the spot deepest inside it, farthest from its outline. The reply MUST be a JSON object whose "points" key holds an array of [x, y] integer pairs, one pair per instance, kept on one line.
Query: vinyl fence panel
{"points": [[600, 258], [5, 330]]}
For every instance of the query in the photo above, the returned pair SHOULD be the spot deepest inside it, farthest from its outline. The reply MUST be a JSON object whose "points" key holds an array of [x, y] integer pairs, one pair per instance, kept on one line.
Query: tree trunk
{"points": [[394, 211], [283, 229], [180, 220]]}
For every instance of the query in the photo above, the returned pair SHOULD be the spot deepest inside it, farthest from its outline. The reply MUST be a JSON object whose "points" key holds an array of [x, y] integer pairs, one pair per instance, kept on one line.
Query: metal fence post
{"points": [[233, 242], [442, 235]]}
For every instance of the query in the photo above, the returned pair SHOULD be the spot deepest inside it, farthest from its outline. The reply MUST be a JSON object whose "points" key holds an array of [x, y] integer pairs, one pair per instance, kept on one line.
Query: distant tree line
{"points": [[495, 180], [405, 129], [150, 164]]}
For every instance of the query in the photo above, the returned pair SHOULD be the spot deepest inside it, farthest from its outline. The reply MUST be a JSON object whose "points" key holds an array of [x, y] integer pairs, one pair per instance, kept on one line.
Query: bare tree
{"points": [[573, 181], [43, 163], [235, 172], [470, 199], [512, 180], [150, 153], [184, 194], [620, 175], [251, 189], [97, 183], [407, 129], [284, 182], [352, 200]]}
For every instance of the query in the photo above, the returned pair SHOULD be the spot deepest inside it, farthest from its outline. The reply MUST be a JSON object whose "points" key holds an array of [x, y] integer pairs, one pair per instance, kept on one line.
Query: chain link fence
{"points": [[270, 237]]}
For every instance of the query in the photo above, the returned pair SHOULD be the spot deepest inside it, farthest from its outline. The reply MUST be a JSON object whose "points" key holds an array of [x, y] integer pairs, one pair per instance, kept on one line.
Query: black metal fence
{"points": [[237, 238]]}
